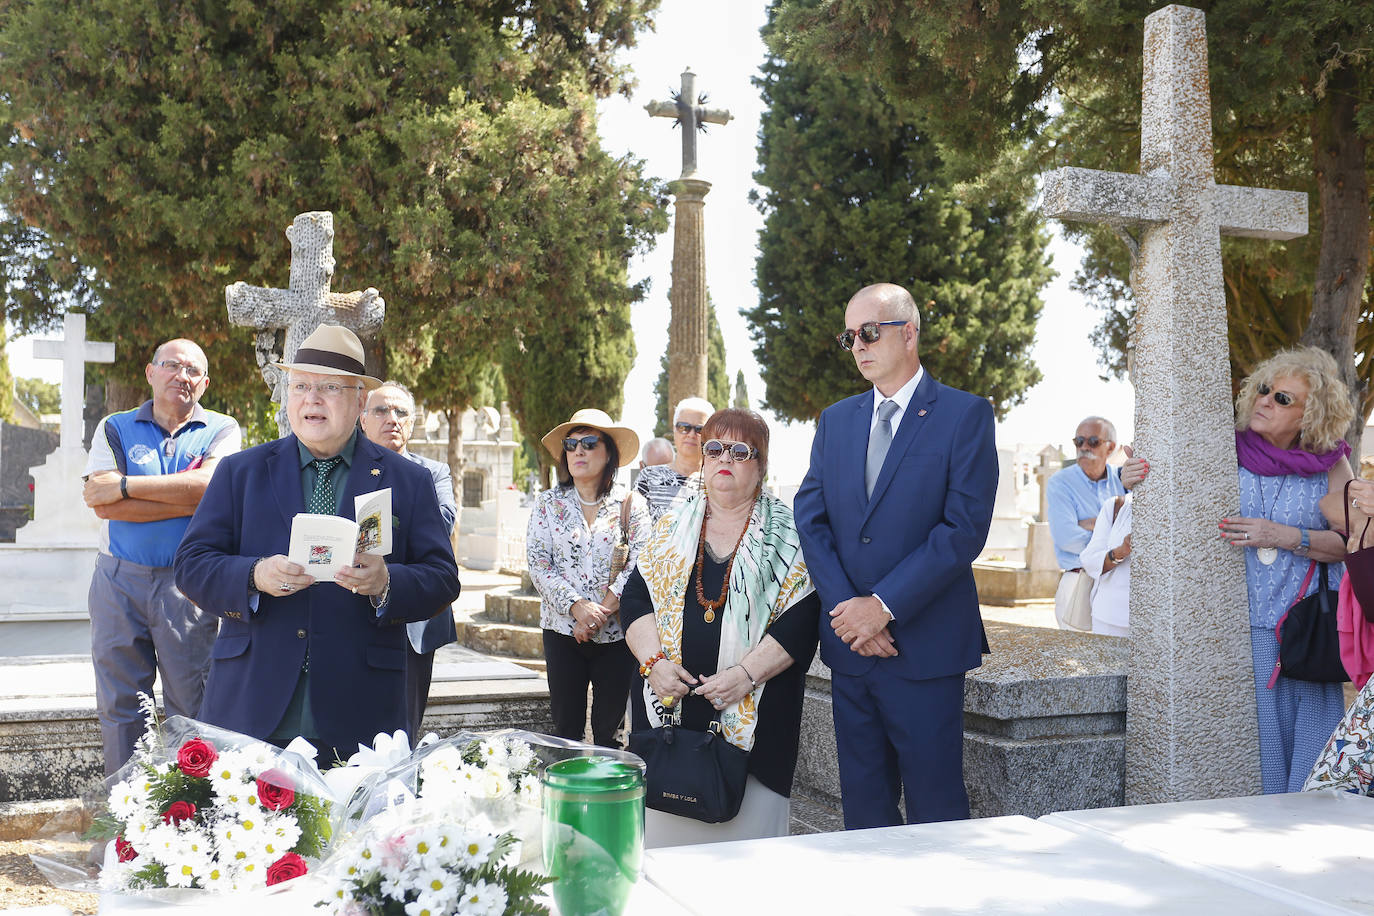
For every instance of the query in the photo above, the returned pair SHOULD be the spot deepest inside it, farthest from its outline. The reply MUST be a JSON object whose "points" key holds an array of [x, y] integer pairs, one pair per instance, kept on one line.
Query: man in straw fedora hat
{"points": [[324, 660]]}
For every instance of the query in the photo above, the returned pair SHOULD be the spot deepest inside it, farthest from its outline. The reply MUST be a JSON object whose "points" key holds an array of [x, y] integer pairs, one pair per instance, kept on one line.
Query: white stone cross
{"points": [[305, 304], [75, 351], [689, 116], [1191, 724]]}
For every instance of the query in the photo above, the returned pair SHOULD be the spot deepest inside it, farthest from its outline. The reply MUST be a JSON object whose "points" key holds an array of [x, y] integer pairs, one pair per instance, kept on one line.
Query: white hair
{"points": [[700, 404], [658, 444], [1108, 425]]}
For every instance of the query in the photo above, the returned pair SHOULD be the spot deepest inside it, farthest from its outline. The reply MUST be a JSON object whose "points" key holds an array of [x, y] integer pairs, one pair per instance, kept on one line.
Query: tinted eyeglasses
{"points": [[868, 332], [173, 366], [729, 451], [688, 428], [1093, 441], [588, 443], [1281, 398], [381, 413]]}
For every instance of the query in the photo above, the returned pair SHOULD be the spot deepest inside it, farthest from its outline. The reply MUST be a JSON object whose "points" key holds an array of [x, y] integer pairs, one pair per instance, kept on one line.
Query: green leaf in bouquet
{"points": [[104, 827], [312, 816]]}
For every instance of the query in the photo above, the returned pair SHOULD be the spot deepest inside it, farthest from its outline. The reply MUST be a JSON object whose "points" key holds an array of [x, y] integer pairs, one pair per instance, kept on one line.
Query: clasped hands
{"points": [[276, 575], [588, 617], [722, 689], [861, 623]]}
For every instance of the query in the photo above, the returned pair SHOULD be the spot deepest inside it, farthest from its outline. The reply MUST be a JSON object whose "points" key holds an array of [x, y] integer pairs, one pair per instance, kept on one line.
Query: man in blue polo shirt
{"points": [[1075, 495], [147, 471]]}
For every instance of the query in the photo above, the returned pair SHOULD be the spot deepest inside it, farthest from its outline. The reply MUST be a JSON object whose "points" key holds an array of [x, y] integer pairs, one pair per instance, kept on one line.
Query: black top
{"points": [[774, 757]]}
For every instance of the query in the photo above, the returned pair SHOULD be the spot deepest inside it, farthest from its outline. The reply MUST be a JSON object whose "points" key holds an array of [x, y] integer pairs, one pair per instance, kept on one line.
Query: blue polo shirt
{"points": [[134, 444]]}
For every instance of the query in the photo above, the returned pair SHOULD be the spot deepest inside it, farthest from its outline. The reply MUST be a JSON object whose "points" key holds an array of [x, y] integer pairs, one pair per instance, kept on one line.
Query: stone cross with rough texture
{"points": [[687, 331], [304, 305], [1191, 725], [75, 351]]}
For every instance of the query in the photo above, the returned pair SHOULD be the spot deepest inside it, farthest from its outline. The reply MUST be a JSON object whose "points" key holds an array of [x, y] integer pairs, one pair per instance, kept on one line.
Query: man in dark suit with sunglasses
{"points": [[1074, 496], [894, 509]]}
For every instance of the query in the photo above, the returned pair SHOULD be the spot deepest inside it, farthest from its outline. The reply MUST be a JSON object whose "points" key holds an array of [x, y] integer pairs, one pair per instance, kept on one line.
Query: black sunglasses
{"points": [[587, 442], [1281, 398], [868, 332], [1093, 441], [687, 428], [738, 451]]}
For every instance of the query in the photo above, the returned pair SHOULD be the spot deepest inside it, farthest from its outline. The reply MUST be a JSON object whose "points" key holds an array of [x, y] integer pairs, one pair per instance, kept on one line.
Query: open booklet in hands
{"points": [[324, 544]]}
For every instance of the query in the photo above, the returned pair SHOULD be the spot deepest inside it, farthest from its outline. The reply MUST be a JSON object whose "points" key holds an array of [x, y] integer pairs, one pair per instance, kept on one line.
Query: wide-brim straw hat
{"points": [[332, 349], [626, 440]]}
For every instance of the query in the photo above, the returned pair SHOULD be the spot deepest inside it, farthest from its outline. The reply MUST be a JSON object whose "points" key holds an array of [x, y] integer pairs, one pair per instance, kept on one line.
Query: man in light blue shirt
{"points": [[1075, 496]]}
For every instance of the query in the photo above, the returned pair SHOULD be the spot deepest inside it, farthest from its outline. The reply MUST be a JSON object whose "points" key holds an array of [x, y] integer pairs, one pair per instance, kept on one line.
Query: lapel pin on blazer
{"points": [[921, 412], [376, 472]]}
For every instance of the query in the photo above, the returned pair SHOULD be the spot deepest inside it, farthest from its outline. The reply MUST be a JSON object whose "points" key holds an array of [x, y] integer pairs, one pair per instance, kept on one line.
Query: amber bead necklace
{"points": [[712, 606]]}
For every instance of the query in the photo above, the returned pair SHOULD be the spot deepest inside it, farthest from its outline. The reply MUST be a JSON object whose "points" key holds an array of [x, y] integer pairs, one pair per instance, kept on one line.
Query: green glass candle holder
{"points": [[593, 833]]}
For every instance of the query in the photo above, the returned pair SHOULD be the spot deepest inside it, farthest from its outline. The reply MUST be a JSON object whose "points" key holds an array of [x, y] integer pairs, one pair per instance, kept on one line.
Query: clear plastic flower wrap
{"points": [[488, 780], [199, 808]]}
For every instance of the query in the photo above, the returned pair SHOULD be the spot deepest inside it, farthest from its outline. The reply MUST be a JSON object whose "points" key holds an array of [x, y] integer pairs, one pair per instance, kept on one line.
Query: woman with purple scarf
{"points": [[1291, 413]]}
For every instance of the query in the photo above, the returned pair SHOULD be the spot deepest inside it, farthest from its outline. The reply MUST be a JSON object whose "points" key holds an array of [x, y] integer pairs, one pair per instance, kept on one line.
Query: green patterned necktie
{"points": [[322, 499]]}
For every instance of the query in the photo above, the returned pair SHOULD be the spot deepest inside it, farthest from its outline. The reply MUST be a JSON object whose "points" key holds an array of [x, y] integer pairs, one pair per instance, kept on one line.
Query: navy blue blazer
{"points": [[357, 659], [440, 629], [915, 540]]}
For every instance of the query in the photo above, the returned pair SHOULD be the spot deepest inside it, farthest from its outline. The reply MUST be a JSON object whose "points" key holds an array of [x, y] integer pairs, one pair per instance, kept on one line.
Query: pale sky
{"points": [[719, 40]]}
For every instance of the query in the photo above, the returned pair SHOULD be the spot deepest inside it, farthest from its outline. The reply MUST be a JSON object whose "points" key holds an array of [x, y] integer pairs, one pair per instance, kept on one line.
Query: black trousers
{"points": [[419, 671], [608, 667]]}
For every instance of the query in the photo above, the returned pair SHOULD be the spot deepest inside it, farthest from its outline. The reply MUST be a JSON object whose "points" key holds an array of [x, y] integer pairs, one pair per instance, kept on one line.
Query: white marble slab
{"points": [[1004, 865], [1311, 850]]}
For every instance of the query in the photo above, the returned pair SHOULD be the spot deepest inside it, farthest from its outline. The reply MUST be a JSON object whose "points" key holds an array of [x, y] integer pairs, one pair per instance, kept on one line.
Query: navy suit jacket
{"points": [[357, 658], [440, 629], [915, 540]]}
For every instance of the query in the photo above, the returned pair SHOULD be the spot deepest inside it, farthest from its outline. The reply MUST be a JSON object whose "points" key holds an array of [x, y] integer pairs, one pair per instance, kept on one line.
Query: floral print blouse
{"points": [[569, 561]]}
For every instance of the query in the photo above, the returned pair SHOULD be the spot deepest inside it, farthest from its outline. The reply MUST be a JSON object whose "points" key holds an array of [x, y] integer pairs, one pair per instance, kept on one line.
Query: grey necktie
{"points": [[878, 442]]}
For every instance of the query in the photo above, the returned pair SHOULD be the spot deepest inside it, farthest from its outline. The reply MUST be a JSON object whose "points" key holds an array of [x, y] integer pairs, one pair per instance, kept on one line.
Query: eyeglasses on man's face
{"points": [[718, 450], [868, 332], [381, 413], [1092, 441], [1281, 398], [588, 443], [688, 428], [326, 389], [174, 366]]}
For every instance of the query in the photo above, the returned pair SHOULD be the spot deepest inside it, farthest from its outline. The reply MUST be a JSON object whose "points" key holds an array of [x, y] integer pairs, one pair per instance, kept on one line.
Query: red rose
{"points": [[276, 791], [284, 869], [196, 757], [178, 811], [125, 850]]}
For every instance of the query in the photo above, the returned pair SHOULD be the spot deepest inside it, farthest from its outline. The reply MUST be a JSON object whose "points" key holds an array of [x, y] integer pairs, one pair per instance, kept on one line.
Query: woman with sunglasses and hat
{"points": [[722, 617], [571, 545], [1291, 413]]}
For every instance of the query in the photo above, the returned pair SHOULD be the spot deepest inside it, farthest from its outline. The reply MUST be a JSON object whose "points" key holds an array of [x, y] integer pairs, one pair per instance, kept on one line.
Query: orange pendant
{"points": [[710, 616]]}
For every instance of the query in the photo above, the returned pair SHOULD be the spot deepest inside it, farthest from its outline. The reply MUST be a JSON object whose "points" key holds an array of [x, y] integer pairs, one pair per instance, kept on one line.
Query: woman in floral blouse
{"points": [[573, 533]]}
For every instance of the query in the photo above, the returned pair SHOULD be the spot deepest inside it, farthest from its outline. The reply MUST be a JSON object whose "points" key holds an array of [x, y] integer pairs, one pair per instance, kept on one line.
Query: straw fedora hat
{"points": [[332, 349], [626, 441]]}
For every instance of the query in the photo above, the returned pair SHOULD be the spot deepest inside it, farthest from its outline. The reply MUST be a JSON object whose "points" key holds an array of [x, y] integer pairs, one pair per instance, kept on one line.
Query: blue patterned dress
{"points": [[1296, 717]]}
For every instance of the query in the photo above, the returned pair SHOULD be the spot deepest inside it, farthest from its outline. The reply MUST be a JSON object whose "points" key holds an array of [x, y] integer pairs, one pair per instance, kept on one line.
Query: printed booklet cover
{"points": [[324, 544]]}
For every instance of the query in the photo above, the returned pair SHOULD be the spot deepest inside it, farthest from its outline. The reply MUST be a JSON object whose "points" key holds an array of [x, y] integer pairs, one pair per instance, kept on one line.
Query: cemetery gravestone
{"points": [[1191, 725]]}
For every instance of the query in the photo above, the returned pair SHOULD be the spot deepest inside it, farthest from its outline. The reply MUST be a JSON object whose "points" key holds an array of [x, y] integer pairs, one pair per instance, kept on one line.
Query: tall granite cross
{"points": [[1191, 726], [75, 351], [304, 305], [687, 332]]}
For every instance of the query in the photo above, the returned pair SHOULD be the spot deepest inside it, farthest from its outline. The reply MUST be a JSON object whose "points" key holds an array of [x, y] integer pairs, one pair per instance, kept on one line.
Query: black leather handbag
{"points": [[1359, 565], [690, 773], [1309, 644]]}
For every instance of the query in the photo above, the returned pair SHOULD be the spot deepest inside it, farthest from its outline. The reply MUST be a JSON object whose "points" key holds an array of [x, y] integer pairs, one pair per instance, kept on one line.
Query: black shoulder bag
{"points": [[1309, 645], [690, 773]]}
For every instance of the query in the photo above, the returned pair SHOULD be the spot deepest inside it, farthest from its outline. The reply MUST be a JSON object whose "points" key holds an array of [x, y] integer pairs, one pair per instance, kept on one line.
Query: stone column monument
{"points": [[1191, 727], [304, 305], [687, 333]]}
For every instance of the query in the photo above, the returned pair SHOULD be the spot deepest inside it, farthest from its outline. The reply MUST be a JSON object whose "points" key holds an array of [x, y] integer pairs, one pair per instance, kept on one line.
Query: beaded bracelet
{"points": [[649, 663]]}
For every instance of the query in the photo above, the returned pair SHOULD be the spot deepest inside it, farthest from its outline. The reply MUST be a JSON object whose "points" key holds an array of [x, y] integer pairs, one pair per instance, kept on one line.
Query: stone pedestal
{"points": [[1044, 725], [687, 332]]}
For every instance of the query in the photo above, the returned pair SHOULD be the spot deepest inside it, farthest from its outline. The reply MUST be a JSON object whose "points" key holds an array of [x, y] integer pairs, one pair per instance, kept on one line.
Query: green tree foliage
{"points": [[6, 381], [717, 376], [38, 396], [1045, 83], [153, 156], [741, 392], [856, 193]]}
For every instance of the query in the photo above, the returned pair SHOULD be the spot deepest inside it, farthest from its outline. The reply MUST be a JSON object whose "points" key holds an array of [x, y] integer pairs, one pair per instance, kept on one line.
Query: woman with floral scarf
{"points": [[722, 616]]}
